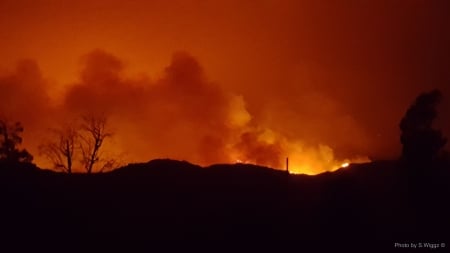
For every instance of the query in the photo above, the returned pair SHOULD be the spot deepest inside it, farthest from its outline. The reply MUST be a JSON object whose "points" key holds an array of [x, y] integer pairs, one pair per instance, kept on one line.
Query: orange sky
{"points": [[335, 72]]}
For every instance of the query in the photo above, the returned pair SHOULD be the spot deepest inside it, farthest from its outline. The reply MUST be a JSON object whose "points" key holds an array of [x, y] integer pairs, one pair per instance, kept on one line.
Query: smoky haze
{"points": [[317, 80], [180, 115]]}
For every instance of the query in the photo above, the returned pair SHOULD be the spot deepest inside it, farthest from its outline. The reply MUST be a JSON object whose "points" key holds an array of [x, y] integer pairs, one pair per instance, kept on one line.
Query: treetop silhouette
{"points": [[10, 138], [421, 142]]}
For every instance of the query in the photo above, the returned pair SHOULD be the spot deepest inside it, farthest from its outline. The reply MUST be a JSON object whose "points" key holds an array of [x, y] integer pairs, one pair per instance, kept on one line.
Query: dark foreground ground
{"points": [[176, 205]]}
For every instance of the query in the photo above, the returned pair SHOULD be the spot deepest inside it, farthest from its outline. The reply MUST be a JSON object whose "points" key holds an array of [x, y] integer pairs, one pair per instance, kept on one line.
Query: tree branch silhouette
{"points": [[93, 135], [61, 152]]}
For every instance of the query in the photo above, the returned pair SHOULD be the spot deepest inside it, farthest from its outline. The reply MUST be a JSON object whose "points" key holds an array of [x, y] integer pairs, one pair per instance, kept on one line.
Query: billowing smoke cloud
{"points": [[23, 92], [180, 115], [23, 98]]}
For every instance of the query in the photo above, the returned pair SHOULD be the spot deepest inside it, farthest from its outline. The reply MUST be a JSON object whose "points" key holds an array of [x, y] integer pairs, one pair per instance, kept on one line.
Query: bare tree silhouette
{"points": [[92, 136], [61, 151], [80, 143]]}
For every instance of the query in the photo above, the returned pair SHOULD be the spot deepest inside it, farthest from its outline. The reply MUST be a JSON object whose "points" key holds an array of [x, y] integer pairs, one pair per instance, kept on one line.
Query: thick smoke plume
{"points": [[179, 115]]}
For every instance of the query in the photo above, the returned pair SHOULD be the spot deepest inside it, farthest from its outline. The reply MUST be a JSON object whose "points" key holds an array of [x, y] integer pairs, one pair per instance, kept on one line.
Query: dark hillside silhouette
{"points": [[361, 207], [162, 200]]}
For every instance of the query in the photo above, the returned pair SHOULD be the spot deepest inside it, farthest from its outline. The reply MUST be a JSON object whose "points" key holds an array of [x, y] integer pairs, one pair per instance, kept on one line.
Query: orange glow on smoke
{"points": [[180, 115], [223, 81], [303, 159]]}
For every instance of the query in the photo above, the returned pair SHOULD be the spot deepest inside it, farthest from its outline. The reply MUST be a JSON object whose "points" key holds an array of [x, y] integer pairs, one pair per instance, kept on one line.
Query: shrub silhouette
{"points": [[10, 138], [421, 143]]}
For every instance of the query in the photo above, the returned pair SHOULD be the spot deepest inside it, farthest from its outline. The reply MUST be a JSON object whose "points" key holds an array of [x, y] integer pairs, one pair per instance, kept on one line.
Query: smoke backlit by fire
{"points": [[180, 115]]}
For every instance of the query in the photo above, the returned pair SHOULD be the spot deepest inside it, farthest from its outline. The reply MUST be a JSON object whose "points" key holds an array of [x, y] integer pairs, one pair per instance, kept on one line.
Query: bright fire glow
{"points": [[266, 148], [308, 170], [312, 165]]}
